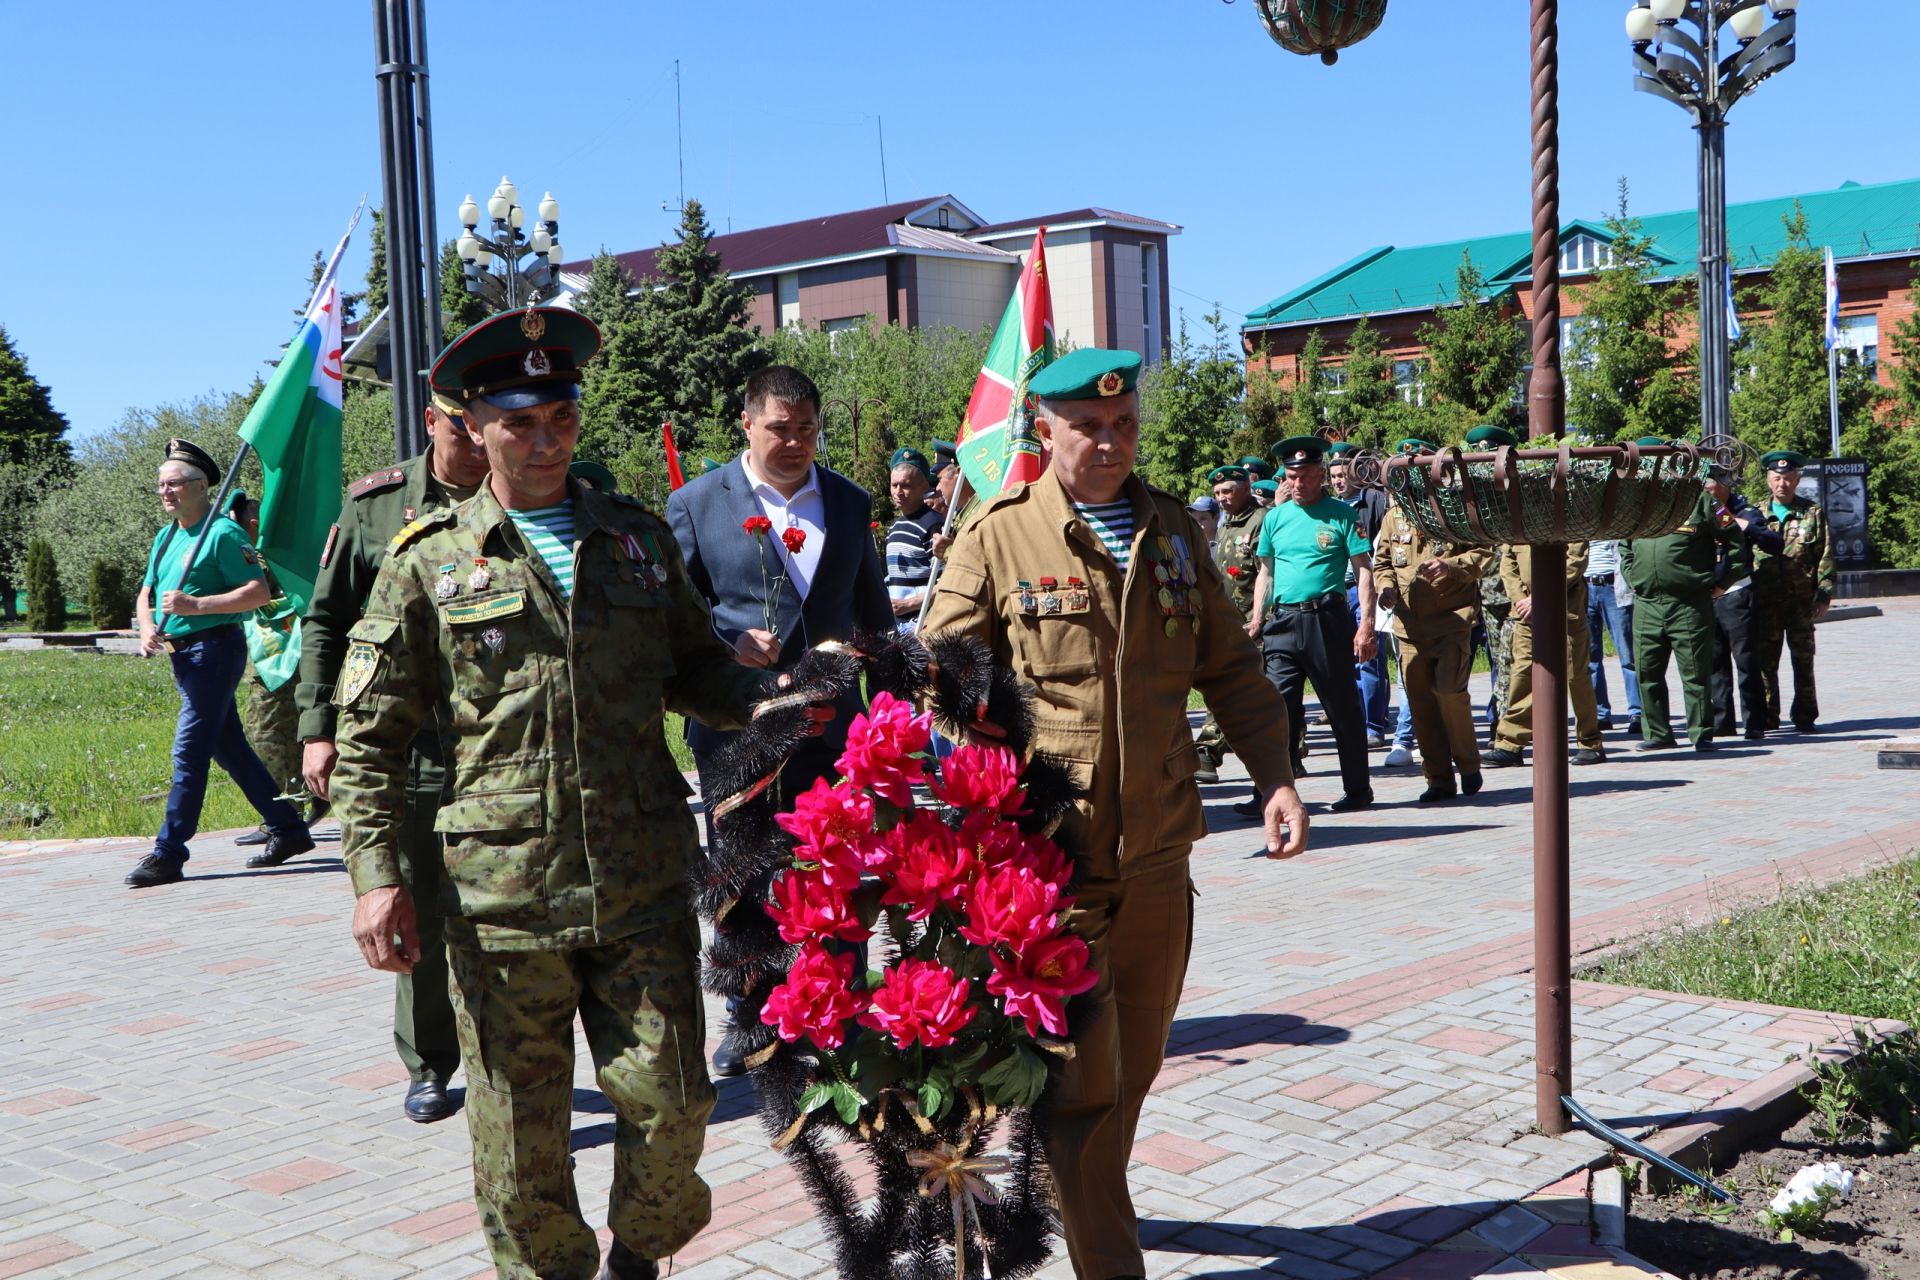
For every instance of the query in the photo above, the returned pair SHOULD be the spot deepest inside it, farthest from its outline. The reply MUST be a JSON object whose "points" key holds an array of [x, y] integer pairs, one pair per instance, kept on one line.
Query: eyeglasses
{"points": [[173, 486]]}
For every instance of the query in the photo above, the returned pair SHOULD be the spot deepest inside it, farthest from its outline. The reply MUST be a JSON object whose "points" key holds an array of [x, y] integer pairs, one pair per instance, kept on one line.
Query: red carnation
{"points": [[808, 908], [1035, 985], [1011, 905], [757, 525], [920, 1000], [924, 865], [981, 778], [795, 537], [1233, 571], [834, 827], [883, 746], [816, 999]]}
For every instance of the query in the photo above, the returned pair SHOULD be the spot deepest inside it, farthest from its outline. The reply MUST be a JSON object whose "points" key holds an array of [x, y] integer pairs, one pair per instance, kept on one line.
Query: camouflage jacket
{"points": [[1427, 610], [1805, 571], [1236, 549], [567, 822]]}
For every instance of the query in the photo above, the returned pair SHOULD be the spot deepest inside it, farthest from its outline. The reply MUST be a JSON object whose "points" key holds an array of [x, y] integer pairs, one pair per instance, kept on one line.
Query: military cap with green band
{"points": [[1091, 373], [945, 454], [518, 359], [1227, 471], [1267, 486], [1784, 460], [1297, 451], [1340, 450], [1493, 437], [1414, 444], [597, 475], [1258, 468]]}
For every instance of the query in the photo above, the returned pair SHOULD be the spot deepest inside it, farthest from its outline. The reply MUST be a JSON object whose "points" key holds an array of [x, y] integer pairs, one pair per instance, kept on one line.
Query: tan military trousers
{"points": [[1139, 931], [1516, 723], [639, 1000], [1435, 673]]}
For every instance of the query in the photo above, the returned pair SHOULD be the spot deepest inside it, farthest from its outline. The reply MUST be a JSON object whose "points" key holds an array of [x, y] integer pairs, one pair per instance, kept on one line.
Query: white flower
{"points": [[1812, 1184]]}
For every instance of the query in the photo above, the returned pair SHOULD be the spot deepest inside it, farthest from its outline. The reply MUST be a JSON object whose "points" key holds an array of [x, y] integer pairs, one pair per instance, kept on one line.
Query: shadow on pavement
{"points": [[1386, 1237], [1329, 832], [1205, 1036], [323, 867]]}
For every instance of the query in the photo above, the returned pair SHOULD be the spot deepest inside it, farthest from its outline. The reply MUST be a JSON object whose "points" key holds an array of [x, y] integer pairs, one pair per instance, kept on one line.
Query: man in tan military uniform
{"points": [[545, 627], [1236, 549], [1043, 578], [1515, 730], [1432, 588]]}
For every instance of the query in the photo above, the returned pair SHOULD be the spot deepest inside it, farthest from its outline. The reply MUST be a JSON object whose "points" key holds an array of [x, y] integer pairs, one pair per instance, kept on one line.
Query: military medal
{"points": [[1076, 595], [447, 587], [656, 563], [1173, 627], [1166, 600], [1027, 603], [1049, 602], [482, 577], [494, 638]]}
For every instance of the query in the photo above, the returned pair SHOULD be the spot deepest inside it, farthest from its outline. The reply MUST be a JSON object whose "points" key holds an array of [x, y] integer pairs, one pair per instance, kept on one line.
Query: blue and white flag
{"points": [[1833, 303], [1733, 312]]}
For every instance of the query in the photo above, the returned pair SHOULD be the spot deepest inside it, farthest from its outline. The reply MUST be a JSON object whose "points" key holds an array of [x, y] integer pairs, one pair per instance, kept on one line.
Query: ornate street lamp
{"points": [[1677, 56], [1320, 26], [529, 261]]}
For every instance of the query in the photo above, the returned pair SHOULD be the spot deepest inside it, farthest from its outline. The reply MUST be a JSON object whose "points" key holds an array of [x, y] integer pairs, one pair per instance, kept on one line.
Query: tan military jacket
{"points": [[1236, 549], [1516, 576], [1427, 610], [1113, 659], [567, 823]]}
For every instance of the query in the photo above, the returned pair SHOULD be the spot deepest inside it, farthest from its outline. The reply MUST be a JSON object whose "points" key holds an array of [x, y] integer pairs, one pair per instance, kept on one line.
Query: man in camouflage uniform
{"points": [[270, 716], [1793, 590], [1236, 550], [378, 506], [544, 627]]}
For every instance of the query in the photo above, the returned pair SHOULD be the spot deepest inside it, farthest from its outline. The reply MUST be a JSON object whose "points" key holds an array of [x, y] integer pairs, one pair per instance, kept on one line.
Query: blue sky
{"points": [[179, 164]]}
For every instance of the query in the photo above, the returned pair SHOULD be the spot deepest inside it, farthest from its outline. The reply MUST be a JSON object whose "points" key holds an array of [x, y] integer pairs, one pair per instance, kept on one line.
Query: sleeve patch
{"points": [[326, 552], [357, 671]]}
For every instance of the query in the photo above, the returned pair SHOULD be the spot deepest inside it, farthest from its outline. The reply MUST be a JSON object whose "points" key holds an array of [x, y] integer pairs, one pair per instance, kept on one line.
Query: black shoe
{"points": [[1633, 725], [624, 1264], [1805, 726], [1589, 755], [427, 1101], [1439, 791], [1250, 809], [281, 846], [259, 835], [1705, 744], [1470, 784], [1754, 734], [1655, 744], [155, 869], [1501, 758], [1348, 803], [728, 1061], [1606, 723], [1209, 770]]}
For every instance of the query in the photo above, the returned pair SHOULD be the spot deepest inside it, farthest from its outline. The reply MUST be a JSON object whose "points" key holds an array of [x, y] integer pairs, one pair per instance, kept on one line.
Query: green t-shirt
{"points": [[1310, 548], [226, 562]]}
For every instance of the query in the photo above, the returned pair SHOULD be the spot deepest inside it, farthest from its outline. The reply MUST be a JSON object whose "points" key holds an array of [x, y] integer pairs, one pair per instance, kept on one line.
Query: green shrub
{"points": [[109, 604], [46, 602]]}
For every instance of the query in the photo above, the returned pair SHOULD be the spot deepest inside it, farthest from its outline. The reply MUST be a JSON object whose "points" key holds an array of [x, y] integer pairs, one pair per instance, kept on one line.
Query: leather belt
{"points": [[1314, 605], [1600, 579]]}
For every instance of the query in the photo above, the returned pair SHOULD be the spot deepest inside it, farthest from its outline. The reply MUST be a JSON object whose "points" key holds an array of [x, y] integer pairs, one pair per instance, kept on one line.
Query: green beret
{"points": [[1493, 436], [910, 458], [1226, 471], [1414, 444], [1341, 450], [1267, 486], [1091, 373], [179, 450], [1784, 460], [1299, 450], [596, 475], [519, 359], [1258, 468]]}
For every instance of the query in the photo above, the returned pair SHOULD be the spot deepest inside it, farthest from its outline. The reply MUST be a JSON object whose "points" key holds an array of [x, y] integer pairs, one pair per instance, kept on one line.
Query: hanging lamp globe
{"points": [[1320, 26]]}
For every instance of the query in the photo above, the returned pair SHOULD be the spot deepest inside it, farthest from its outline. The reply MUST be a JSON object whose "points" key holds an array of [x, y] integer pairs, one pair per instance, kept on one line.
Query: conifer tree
{"points": [[1474, 352]]}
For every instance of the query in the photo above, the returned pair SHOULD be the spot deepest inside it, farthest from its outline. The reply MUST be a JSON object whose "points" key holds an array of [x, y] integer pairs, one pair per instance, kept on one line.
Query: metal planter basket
{"points": [[1547, 495]]}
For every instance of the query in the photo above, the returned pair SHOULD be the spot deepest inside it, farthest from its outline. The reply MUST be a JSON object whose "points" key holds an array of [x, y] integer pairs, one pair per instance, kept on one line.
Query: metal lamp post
{"points": [[529, 261], [1677, 56]]}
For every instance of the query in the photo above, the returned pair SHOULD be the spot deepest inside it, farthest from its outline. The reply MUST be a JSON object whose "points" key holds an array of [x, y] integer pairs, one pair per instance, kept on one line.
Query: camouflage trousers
{"points": [[639, 1001], [273, 727], [1779, 619], [1499, 623], [1211, 741]]}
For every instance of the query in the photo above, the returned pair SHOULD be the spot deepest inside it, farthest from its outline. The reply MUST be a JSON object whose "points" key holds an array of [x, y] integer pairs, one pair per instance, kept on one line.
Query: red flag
{"points": [[674, 477], [997, 443]]}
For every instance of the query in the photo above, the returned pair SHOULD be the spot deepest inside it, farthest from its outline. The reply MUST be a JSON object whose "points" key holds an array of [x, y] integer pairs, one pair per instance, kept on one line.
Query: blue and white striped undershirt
{"points": [[1112, 523], [549, 531]]}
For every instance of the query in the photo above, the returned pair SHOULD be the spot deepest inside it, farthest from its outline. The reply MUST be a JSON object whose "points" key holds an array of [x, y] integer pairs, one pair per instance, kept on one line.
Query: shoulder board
{"points": [[375, 481], [413, 529]]}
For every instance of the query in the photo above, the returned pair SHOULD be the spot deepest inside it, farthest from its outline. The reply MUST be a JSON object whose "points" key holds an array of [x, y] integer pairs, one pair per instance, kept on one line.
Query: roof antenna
{"points": [[679, 139], [880, 128]]}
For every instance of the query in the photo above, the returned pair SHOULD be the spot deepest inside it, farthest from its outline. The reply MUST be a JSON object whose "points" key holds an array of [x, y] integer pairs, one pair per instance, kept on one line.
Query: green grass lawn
{"points": [[1851, 948], [86, 742]]}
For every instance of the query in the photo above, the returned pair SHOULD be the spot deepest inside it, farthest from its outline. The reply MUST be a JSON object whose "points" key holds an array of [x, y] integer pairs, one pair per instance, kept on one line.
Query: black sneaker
{"points": [[281, 846], [155, 869], [1501, 758], [1588, 755]]}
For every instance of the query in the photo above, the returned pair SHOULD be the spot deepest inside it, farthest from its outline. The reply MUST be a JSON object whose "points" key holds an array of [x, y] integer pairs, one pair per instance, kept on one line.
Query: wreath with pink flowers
{"points": [[896, 945]]}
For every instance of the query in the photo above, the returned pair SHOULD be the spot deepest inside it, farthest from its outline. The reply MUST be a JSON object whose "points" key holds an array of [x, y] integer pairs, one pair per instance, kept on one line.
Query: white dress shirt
{"points": [[806, 510]]}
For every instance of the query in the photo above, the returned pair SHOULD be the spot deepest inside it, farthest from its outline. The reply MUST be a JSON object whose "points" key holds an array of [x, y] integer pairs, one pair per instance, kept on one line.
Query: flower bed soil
{"points": [[1876, 1234]]}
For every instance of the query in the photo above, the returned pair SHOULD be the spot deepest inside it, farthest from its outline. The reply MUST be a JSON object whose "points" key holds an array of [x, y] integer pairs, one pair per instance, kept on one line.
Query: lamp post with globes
{"points": [[529, 261], [1677, 56]]}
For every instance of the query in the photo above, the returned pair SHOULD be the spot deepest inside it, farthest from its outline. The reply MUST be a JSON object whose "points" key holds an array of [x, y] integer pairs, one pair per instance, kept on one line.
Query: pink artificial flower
{"points": [[989, 837], [1010, 905], [920, 1000], [924, 865], [808, 908], [816, 999], [881, 750], [1035, 984], [981, 778], [834, 827], [1047, 860]]}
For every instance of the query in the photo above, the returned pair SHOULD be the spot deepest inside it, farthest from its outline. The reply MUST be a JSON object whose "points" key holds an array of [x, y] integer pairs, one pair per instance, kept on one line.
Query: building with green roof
{"points": [[1874, 232]]}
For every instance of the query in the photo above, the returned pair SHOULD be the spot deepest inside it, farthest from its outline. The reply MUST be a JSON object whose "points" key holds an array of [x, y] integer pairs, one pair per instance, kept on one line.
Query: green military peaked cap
{"points": [[1342, 449], [910, 458], [945, 454], [180, 450], [1653, 442], [1780, 460], [1414, 444], [1493, 437], [597, 475], [1091, 373], [1258, 468], [1227, 471], [1299, 450], [1267, 486], [519, 359]]}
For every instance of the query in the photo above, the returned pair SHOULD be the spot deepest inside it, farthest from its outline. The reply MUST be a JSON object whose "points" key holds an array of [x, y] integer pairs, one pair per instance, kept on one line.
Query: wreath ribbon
{"points": [[964, 1179]]}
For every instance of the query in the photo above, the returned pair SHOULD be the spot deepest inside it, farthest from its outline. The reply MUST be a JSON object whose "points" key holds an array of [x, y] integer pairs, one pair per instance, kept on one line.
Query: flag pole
{"points": [[1833, 396], [961, 496]]}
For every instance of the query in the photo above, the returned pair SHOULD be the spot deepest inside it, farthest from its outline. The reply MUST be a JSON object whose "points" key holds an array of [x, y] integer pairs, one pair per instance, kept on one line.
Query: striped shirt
{"points": [[910, 553], [549, 531], [1112, 523]]}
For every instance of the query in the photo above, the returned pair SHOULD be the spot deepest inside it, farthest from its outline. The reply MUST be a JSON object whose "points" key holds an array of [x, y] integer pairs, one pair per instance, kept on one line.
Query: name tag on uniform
{"points": [[504, 605]]}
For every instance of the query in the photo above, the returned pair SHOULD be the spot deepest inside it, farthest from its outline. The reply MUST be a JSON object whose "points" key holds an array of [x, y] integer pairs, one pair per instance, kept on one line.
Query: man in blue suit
{"points": [[774, 594]]}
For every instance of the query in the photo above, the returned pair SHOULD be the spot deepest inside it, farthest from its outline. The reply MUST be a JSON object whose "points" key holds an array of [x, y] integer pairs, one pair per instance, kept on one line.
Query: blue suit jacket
{"points": [[848, 592]]}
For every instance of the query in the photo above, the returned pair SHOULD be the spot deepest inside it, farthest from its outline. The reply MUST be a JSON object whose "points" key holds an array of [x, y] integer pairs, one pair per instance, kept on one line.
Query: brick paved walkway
{"points": [[198, 1080]]}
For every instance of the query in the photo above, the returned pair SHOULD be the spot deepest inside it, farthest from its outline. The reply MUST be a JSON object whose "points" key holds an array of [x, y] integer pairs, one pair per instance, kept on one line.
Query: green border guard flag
{"points": [[997, 445]]}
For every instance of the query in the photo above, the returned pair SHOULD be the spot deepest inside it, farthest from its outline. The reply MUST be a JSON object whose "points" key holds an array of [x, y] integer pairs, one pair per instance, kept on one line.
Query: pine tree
{"points": [[28, 420], [1313, 392], [1368, 393], [46, 601], [1189, 410], [109, 607], [375, 295], [1266, 411], [459, 309], [1890, 444], [1622, 382], [611, 393], [349, 302], [1474, 355]]}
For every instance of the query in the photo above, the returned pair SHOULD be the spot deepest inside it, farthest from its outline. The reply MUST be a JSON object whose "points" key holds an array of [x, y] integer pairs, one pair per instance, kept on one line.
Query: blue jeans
{"points": [[1617, 620], [1375, 688], [206, 668]]}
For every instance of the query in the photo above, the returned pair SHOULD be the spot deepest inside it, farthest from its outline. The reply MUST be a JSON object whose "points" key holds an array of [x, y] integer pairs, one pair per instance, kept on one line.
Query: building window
{"points": [[1150, 336], [1861, 336], [1409, 381], [1577, 347], [945, 217], [1585, 253], [1334, 378], [835, 328]]}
